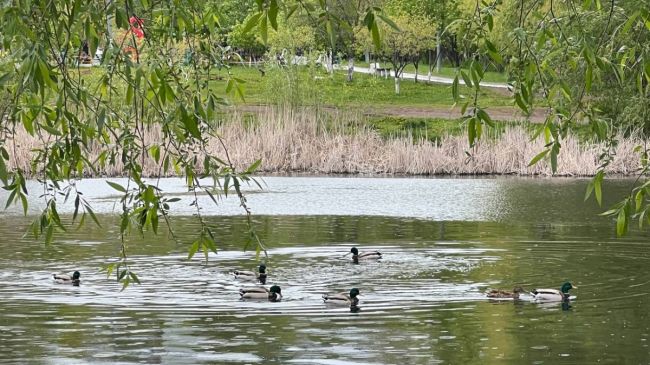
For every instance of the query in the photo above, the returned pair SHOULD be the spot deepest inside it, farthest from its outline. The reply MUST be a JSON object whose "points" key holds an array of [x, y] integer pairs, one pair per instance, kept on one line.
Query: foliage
{"points": [[245, 41], [403, 45], [44, 93], [589, 62], [293, 36], [144, 84]]}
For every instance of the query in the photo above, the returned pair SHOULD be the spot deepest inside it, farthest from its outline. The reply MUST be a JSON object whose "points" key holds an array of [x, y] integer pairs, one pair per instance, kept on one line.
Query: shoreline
{"points": [[304, 142]]}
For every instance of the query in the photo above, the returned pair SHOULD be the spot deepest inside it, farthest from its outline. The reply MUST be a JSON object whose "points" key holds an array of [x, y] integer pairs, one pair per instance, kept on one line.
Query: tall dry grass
{"points": [[307, 141]]}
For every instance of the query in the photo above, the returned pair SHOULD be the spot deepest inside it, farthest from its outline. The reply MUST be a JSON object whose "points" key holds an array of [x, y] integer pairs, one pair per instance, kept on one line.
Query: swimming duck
{"points": [[548, 295], [500, 294], [251, 275], [356, 256], [67, 279], [343, 298], [274, 294]]}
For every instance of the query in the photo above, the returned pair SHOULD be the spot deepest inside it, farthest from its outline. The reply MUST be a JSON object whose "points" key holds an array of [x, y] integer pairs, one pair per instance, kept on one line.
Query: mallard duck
{"points": [[251, 275], [67, 279], [502, 294], [273, 294], [356, 256], [343, 298], [548, 295]]}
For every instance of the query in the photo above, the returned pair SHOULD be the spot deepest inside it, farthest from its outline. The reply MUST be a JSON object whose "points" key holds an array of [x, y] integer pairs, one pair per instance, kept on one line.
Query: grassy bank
{"points": [[307, 141]]}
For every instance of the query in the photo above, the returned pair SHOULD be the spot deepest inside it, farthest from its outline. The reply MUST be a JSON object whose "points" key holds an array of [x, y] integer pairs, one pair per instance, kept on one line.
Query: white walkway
{"points": [[422, 77]]}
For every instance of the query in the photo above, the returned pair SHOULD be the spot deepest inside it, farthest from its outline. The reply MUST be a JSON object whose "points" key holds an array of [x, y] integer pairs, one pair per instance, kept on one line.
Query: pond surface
{"points": [[445, 241]]}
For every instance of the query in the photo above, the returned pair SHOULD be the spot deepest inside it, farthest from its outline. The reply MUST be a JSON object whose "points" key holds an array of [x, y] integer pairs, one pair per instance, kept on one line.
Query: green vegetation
{"points": [[419, 128], [309, 86]]}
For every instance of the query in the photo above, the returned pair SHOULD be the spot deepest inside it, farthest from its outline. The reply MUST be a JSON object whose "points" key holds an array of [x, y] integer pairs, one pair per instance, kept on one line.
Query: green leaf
{"points": [[638, 199], [252, 22], [598, 179], [520, 103], [129, 94], [588, 78], [154, 152], [264, 30], [76, 208], [376, 39], [117, 186], [466, 79], [23, 200], [194, 248], [273, 14], [92, 215], [642, 218], [120, 18], [330, 32], [630, 22], [555, 150], [621, 222], [48, 234], [538, 157], [253, 167], [471, 131], [388, 21], [485, 117], [454, 88], [4, 175], [134, 277]]}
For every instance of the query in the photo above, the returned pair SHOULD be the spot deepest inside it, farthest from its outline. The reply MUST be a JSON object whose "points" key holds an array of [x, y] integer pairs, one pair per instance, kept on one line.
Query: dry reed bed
{"points": [[303, 141]]}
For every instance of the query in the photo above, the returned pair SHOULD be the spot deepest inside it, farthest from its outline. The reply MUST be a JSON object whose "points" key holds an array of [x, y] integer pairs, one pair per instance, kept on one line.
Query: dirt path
{"points": [[508, 114]]}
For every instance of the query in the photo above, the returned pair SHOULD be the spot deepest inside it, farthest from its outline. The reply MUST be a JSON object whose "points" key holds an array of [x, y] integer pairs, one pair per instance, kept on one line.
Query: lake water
{"points": [[445, 241]]}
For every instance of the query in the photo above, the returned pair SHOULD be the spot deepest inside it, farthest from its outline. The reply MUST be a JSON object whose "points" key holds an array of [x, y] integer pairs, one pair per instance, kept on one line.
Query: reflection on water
{"points": [[423, 303]]}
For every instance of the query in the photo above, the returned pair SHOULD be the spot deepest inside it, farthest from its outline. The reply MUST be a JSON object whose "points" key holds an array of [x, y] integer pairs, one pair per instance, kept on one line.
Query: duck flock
{"points": [[349, 298]]}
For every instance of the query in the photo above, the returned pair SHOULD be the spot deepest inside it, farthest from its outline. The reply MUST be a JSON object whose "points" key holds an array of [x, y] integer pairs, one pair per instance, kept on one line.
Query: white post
{"points": [[350, 68]]}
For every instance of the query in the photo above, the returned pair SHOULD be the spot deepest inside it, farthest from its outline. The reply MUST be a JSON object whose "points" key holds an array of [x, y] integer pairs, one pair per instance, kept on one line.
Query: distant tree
{"points": [[246, 43], [400, 47], [293, 35]]}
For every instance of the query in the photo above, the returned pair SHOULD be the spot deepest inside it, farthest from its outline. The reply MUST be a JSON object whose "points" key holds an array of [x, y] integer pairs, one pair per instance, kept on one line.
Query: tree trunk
{"points": [[397, 79], [416, 72], [438, 51], [350, 68], [330, 60], [430, 63], [367, 54]]}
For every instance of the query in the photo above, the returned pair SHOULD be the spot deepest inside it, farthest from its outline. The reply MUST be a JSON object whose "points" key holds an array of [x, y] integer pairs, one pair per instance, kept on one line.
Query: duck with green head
{"points": [[67, 279], [252, 275], [356, 255], [349, 299], [273, 294], [553, 295]]}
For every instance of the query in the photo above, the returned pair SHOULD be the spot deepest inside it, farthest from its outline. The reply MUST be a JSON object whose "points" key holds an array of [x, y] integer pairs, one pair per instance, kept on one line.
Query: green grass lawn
{"points": [[307, 86]]}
